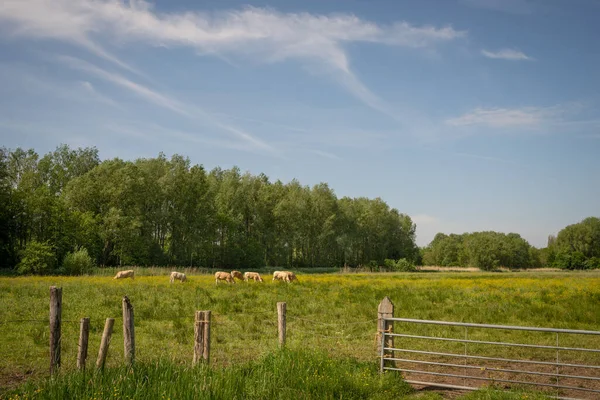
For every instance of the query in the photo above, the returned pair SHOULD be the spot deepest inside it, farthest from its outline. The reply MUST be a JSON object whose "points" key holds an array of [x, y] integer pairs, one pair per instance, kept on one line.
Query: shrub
{"points": [[403, 265], [78, 262], [36, 258], [592, 263], [373, 266]]}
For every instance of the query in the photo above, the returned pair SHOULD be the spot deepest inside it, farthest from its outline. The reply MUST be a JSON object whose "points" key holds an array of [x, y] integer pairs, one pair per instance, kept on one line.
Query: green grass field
{"points": [[334, 314]]}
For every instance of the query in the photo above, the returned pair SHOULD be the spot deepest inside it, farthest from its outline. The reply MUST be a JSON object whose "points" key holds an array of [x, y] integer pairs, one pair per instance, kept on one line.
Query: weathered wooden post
{"points": [[385, 310], [103, 351], [128, 331], [206, 336], [281, 311], [55, 320], [202, 337], [84, 333], [198, 333]]}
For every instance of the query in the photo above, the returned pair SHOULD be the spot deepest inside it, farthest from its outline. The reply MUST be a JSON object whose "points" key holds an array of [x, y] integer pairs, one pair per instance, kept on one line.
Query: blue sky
{"points": [[467, 115]]}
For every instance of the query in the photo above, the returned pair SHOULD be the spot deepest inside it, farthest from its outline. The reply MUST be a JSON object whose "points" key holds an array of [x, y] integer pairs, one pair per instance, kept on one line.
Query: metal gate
{"points": [[571, 371]]}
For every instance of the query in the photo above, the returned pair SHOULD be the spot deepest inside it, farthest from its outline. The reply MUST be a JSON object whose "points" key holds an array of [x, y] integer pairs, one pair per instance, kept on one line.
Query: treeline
{"points": [[483, 250], [160, 211], [575, 247]]}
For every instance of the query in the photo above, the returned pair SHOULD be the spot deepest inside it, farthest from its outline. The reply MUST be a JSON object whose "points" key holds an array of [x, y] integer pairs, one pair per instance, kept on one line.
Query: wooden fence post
{"points": [[128, 331], [206, 337], [103, 351], [198, 332], [202, 337], [281, 311], [84, 333], [385, 310], [55, 320]]}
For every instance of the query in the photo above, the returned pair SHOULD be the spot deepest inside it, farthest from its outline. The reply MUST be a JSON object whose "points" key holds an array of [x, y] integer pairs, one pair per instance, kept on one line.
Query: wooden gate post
{"points": [[128, 332], [82, 352], [55, 320], [385, 310], [103, 351], [281, 327]]}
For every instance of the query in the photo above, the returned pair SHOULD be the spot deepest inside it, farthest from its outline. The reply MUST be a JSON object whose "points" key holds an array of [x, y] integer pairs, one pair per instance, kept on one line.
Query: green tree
{"points": [[37, 258]]}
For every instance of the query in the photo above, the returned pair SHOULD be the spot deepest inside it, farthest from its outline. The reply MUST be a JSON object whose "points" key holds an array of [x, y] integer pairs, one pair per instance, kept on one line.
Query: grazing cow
{"points": [[278, 276], [286, 276], [290, 276], [180, 276], [125, 274], [223, 276], [252, 275], [237, 275]]}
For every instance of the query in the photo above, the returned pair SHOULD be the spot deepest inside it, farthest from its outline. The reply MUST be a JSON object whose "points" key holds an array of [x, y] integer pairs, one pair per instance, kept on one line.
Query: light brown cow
{"points": [[286, 276], [178, 276], [252, 275], [223, 276], [290, 276], [125, 274], [237, 275]]}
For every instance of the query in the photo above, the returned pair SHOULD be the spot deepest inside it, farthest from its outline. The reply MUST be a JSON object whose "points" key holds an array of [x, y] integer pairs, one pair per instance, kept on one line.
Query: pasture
{"points": [[331, 313]]}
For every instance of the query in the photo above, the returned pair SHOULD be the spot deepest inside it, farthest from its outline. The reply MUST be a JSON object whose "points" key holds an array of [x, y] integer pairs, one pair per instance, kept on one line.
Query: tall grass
{"points": [[280, 375]]}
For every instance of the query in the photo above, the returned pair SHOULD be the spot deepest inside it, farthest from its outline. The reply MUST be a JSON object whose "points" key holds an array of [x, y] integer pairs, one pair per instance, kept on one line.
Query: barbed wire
{"points": [[12, 321]]}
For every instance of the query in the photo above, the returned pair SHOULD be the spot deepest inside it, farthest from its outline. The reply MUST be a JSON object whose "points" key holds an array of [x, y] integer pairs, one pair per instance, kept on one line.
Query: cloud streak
{"points": [[525, 117], [262, 34], [163, 101], [507, 54]]}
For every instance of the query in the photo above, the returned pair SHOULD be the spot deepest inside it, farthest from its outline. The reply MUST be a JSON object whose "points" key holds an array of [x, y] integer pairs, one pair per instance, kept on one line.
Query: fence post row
{"points": [[281, 322], [128, 331], [84, 333], [55, 322], [385, 310], [103, 351], [202, 337]]}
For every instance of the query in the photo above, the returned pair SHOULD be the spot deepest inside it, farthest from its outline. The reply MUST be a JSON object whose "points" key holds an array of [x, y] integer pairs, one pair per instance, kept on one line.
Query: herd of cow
{"points": [[229, 277]]}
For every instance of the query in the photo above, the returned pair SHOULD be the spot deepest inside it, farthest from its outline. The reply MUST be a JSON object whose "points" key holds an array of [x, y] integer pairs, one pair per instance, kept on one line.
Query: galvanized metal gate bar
{"points": [[385, 355]]}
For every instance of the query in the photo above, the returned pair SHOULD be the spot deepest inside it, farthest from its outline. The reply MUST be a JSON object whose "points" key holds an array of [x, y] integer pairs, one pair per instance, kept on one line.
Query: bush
{"points": [[36, 258], [592, 263], [402, 265], [78, 263], [373, 266]]}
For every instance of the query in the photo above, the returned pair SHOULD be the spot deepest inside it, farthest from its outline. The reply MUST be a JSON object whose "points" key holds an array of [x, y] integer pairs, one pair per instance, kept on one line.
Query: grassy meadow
{"points": [[333, 315]]}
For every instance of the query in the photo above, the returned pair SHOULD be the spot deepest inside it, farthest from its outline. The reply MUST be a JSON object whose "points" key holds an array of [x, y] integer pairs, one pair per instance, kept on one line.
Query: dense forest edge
{"points": [[68, 212]]}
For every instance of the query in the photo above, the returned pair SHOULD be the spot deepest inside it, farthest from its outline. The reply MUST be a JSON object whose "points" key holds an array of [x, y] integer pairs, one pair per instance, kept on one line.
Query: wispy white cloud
{"points": [[89, 88], [163, 100], [261, 34], [160, 133], [325, 154], [507, 54], [525, 117]]}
